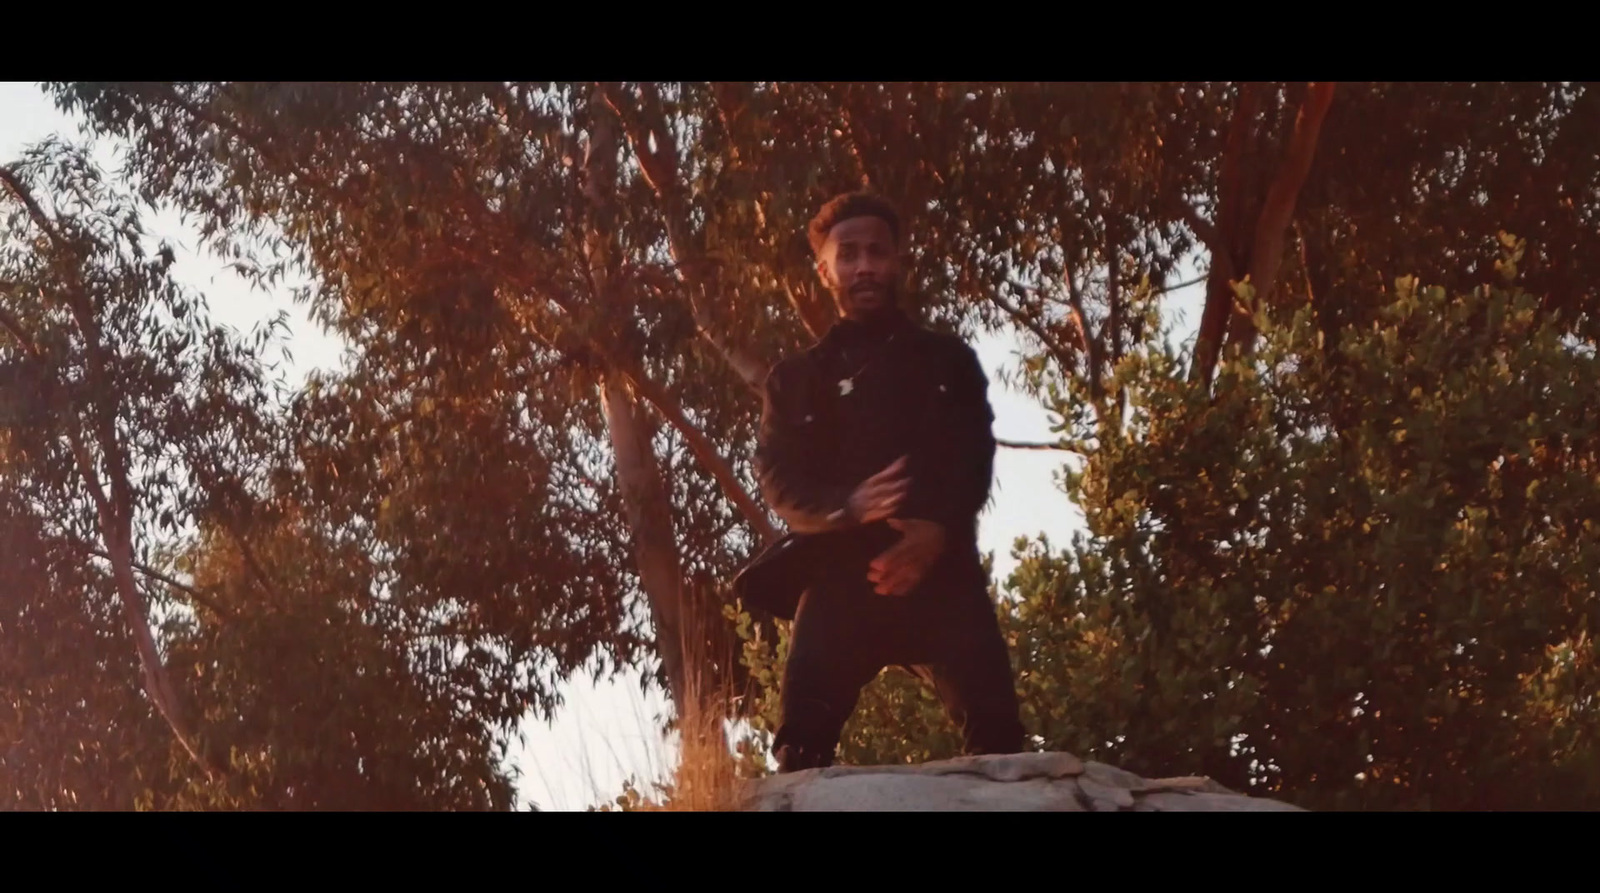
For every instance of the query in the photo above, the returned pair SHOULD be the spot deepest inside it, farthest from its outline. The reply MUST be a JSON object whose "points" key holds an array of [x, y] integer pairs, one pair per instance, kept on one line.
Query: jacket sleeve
{"points": [[952, 484], [789, 447]]}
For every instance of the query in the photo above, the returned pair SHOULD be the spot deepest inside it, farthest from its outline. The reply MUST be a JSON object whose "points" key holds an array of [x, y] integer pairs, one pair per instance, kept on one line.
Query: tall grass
{"points": [[705, 772]]}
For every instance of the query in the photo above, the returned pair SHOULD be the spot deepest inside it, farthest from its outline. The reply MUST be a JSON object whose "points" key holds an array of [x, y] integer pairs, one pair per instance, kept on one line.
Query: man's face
{"points": [[860, 264]]}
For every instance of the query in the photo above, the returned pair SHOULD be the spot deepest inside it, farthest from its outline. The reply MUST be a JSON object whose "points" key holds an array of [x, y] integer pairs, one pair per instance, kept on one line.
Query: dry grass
{"points": [[706, 776]]}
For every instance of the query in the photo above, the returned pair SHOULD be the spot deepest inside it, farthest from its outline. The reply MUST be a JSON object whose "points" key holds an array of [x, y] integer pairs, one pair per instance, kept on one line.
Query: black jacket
{"points": [[910, 392]]}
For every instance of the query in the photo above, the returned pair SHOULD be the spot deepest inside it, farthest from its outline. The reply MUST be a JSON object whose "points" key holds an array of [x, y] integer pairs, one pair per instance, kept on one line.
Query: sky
{"points": [[605, 732]]}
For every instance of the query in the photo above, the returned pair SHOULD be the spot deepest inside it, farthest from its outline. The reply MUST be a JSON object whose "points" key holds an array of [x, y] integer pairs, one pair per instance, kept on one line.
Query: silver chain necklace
{"points": [[848, 383]]}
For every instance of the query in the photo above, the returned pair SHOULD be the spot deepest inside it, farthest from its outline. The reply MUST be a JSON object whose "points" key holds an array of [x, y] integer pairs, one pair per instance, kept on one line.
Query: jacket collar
{"points": [[856, 333]]}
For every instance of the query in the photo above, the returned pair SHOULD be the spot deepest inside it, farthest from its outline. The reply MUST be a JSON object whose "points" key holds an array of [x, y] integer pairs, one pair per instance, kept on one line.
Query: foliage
{"points": [[1362, 579], [135, 435], [558, 300]]}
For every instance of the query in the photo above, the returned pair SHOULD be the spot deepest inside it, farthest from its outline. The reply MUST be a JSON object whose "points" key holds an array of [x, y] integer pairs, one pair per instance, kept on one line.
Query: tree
{"points": [[101, 418], [177, 630], [623, 258], [1393, 613]]}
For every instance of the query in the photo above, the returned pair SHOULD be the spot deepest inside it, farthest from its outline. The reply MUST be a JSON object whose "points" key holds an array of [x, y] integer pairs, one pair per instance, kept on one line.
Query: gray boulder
{"points": [[1025, 782]]}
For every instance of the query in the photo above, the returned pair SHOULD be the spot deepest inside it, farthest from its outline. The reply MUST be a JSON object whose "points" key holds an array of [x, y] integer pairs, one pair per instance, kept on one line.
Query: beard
{"points": [[869, 305]]}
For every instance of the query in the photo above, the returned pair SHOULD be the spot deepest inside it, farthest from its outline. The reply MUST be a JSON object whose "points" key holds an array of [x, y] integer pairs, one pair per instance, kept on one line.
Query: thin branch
{"points": [[7, 321], [669, 407], [851, 141], [250, 560], [704, 451], [12, 325], [1033, 445], [1062, 355], [1114, 316], [660, 169], [34, 210], [817, 315], [1177, 285], [203, 600], [731, 99], [1305, 266], [1114, 299]]}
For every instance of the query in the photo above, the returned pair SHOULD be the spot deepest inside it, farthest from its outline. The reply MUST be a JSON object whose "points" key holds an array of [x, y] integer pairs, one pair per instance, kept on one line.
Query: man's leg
{"points": [[830, 659], [973, 677]]}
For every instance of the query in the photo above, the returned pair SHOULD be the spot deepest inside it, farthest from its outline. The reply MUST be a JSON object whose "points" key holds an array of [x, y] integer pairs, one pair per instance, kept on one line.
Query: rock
{"points": [[1187, 783], [1001, 767], [1105, 797], [1026, 782], [906, 792], [1111, 776]]}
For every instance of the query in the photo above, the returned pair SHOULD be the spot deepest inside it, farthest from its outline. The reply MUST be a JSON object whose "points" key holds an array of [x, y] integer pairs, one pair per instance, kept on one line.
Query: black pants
{"points": [[946, 632]]}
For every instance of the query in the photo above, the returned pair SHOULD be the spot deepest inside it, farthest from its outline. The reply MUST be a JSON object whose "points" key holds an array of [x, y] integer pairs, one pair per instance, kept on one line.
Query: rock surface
{"points": [[1025, 782]]}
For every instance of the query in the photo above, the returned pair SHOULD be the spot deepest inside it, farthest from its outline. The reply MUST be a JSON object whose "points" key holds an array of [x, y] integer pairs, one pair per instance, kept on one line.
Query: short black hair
{"points": [[846, 206]]}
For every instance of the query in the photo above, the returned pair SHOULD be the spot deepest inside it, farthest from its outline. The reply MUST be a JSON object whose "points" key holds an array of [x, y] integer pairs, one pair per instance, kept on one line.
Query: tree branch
{"points": [[1305, 266], [114, 512], [704, 451], [203, 600], [1062, 355], [251, 562], [852, 142], [1203, 229], [1091, 342], [1177, 285], [1266, 255], [14, 185], [1223, 240], [815, 314], [82, 310], [157, 684], [660, 169], [1230, 189], [12, 325], [669, 407], [1032, 445], [1114, 299]]}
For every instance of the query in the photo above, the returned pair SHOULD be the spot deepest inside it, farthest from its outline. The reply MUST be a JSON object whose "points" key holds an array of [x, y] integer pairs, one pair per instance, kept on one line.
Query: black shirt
{"points": [[862, 397]]}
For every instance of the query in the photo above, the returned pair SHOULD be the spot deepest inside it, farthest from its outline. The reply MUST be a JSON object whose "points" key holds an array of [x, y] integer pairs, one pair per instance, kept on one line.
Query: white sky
{"points": [[606, 732]]}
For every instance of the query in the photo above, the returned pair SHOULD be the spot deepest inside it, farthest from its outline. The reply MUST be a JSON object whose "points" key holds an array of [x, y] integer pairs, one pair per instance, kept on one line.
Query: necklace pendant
{"points": [[846, 386]]}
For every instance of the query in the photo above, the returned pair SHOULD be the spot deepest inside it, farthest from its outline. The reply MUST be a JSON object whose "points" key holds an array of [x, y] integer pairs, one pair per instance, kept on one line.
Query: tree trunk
{"points": [[649, 513], [115, 512], [116, 531], [684, 626], [1248, 235]]}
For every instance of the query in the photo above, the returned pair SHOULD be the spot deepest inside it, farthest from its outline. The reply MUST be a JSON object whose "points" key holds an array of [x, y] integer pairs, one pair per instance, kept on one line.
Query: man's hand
{"points": [[879, 496], [899, 569]]}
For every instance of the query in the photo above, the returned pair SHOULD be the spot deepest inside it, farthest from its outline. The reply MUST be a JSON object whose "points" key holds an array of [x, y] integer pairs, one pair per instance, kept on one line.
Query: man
{"points": [[876, 449]]}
